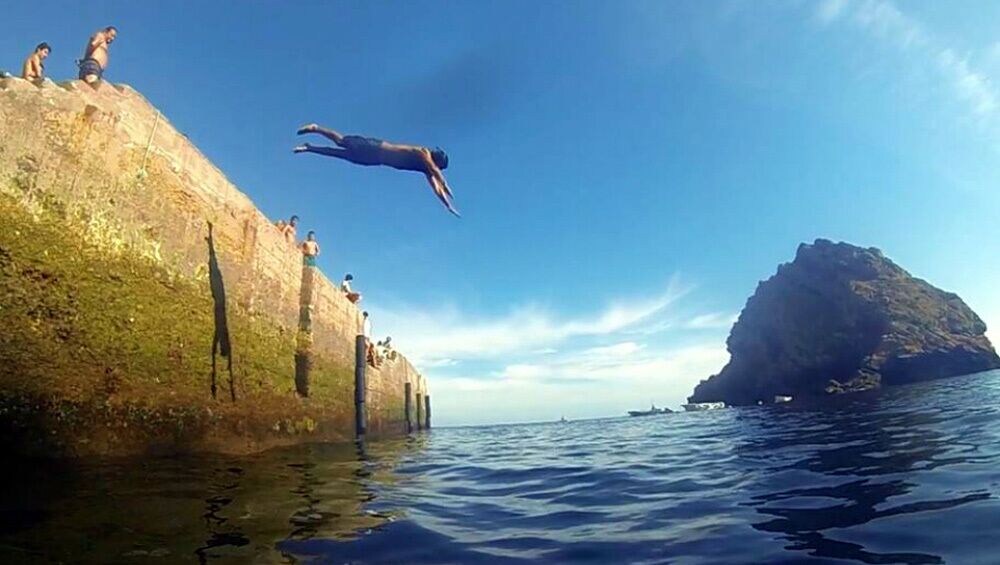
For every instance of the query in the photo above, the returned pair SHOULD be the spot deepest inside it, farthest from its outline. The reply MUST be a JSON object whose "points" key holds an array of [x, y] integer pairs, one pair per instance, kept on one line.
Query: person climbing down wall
{"points": [[369, 151]]}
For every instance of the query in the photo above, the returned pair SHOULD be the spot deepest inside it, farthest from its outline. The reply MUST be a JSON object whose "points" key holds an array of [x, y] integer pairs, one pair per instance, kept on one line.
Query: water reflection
{"points": [[909, 476], [222, 530], [883, 450], [213, 509]]}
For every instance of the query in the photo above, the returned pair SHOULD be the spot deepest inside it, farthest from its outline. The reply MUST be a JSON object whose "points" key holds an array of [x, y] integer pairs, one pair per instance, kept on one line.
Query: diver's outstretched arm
{"points": [[435, 171], [330, 134], [439, 191]]}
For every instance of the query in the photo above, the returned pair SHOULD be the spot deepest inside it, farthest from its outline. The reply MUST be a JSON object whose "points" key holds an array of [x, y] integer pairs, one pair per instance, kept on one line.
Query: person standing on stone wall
{"points": [[288, 229], [366, 326], [34, 68], [390, 353], [95, 56], [310, 250], [366, 331]]}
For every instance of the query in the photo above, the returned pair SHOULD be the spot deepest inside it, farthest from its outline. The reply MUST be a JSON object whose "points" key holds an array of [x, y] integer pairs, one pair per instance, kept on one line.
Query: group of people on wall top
{"points": [[377, 352], [356, 149], [91, 66]]}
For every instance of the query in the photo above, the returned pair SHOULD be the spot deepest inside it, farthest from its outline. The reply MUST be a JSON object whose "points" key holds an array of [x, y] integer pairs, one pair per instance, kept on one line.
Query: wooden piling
{"points": [[303, 339], [408, 390], [420, 411], [427, 412], [360, 364]]}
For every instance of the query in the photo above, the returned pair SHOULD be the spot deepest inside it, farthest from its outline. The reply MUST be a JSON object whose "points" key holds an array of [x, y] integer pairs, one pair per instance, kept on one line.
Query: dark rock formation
{"points": [[840, 318]]}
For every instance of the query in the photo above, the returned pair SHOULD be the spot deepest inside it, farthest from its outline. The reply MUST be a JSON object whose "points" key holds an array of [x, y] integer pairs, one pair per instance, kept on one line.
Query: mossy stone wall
{"points": [[106, 302]]}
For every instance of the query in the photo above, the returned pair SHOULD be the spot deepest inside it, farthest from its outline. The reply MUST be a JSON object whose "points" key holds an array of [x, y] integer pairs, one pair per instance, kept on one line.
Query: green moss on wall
{"points": [[112, 340]]}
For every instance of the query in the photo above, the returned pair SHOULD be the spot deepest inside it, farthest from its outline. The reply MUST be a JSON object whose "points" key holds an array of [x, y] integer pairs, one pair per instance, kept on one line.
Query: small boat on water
{"points": [[653, 410], [702, 406]]}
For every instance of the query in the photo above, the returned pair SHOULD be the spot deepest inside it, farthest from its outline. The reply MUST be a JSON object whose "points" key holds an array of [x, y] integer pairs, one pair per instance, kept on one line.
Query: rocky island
{"points": [[841, 318]]}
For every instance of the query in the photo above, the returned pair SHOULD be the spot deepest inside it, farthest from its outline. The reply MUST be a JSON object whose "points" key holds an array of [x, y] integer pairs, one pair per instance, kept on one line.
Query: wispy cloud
{"points": [[431, 335], [517, 366], [715, 320], [603, 381], [622, 362], [972, 87], [830, 10], [883, 20]]}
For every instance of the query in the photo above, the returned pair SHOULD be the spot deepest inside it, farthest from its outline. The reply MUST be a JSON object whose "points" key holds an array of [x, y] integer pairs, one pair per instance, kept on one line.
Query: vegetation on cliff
{"points": [[841, 318]]}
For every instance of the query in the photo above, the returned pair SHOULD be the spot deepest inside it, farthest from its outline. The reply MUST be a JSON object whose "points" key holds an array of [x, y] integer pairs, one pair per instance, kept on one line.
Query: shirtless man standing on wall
{"points": [[33, 68], [95, 58], [310, 250]]}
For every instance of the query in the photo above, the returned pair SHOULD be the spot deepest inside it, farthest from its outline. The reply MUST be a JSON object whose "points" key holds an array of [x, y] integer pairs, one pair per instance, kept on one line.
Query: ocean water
{"points": [[908, 475]]}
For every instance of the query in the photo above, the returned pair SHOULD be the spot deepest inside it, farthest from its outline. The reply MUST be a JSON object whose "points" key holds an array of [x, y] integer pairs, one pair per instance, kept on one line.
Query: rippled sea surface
{"points": [[909, 475]]}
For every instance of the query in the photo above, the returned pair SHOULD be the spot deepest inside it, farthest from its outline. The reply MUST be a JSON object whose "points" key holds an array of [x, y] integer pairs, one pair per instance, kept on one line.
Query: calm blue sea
{"points": [[909, 475]]}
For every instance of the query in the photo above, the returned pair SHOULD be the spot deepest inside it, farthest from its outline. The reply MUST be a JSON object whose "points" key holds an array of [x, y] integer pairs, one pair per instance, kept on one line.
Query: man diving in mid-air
{"points": [[369, 151]]}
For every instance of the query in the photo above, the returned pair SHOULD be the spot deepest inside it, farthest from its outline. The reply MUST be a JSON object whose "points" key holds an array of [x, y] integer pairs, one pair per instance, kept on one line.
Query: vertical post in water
{"points": [[360, 364], [427, 411], [408, 389], [420, 411], [304, 337]]}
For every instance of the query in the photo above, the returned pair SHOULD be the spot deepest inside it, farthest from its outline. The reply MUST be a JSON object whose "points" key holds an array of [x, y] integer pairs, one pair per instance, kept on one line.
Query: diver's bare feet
{"points": [[308, 128], [301, 148]]}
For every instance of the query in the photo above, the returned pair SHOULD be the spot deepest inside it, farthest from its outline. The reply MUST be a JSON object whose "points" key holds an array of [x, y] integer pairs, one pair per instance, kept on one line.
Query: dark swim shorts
{"points": [[90, 67], [364, 150]]}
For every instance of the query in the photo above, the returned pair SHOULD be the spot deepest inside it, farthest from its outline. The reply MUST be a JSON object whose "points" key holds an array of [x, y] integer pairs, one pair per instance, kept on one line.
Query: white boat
{"points": [[653, 410], [702, 406]]}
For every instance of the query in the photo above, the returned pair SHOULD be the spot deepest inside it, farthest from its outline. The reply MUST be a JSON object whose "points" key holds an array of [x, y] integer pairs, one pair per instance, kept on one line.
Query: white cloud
{"points": [[882, 18], [715, 320], [523, 365], [971, 87], [830, 10], [618, 363], [523, 371], [430, 335], [604, 382], [435, 363], [617, 350]]}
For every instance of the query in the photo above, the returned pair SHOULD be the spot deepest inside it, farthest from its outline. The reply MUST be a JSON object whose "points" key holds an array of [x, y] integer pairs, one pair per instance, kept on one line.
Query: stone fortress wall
{"points": [[114, 208]]}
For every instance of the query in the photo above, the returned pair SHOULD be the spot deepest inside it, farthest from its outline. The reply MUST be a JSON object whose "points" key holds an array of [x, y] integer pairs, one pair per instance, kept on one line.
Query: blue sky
{"points": [[627, 172]]}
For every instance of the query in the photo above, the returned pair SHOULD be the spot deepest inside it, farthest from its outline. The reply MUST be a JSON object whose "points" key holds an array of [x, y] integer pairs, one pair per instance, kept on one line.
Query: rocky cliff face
{"points": [[841, 318]]}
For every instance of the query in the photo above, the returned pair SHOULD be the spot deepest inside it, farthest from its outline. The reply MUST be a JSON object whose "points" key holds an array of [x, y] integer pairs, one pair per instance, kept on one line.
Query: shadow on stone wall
{"points": [[220, 342]]}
